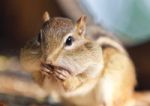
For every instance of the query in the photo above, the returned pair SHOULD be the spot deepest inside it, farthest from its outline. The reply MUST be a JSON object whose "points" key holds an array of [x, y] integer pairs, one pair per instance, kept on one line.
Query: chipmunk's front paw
{"points": [[57, 71], [62, 74]]}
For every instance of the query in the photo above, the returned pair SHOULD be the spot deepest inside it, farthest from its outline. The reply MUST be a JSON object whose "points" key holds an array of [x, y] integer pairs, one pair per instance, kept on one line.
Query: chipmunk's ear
{"points": [[81, 25], [46, 16]]}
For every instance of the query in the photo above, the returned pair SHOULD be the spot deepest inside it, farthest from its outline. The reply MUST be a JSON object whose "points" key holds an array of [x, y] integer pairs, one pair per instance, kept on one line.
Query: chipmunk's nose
{"points": [[52, 57], [46, 60], [49, 60]]}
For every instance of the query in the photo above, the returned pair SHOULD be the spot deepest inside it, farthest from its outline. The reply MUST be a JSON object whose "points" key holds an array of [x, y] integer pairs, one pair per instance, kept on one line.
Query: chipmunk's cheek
{"points": [[73, 64]]}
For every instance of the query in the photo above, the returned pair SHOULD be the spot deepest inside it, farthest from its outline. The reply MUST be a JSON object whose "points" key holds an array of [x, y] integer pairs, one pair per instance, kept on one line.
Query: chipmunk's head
{"points": [[62, 48], [60, 34], [64, 45]]}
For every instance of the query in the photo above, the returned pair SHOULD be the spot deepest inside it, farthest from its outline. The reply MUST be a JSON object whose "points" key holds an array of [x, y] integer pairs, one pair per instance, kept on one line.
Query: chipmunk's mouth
{"points": [[57, 71]]}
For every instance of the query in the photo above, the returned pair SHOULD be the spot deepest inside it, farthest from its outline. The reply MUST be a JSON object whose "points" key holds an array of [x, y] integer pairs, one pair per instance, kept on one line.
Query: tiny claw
{"points": [[65, 70], [60, 76], [47, 70], [64, 73]]}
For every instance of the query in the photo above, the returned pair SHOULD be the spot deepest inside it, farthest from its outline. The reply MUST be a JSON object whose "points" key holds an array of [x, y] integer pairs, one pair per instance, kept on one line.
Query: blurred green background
{"points": [[128, 18]]}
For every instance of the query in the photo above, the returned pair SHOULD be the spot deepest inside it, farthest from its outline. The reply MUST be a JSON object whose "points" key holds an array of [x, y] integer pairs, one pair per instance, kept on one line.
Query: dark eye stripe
{"points": [[40, 37]]}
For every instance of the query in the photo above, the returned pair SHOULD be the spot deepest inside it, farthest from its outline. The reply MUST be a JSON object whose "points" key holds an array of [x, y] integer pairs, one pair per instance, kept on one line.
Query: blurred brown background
{"points": [[21, 19]]}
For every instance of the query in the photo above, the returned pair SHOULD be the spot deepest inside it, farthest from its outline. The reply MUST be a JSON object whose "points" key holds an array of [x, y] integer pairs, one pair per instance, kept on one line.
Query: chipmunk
{"points": [[77, 70]]}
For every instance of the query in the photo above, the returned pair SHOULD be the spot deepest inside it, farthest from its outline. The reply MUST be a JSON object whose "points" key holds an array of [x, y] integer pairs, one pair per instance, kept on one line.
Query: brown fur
{"points": [[87, 75]]}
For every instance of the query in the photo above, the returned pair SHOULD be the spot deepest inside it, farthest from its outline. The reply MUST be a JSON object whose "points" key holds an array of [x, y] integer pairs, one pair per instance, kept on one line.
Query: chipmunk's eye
{"points": [[69, 41]]}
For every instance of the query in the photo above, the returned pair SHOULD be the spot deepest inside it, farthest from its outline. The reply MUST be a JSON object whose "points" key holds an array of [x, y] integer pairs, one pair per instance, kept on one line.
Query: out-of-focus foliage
{"points": [[128, 18]]}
